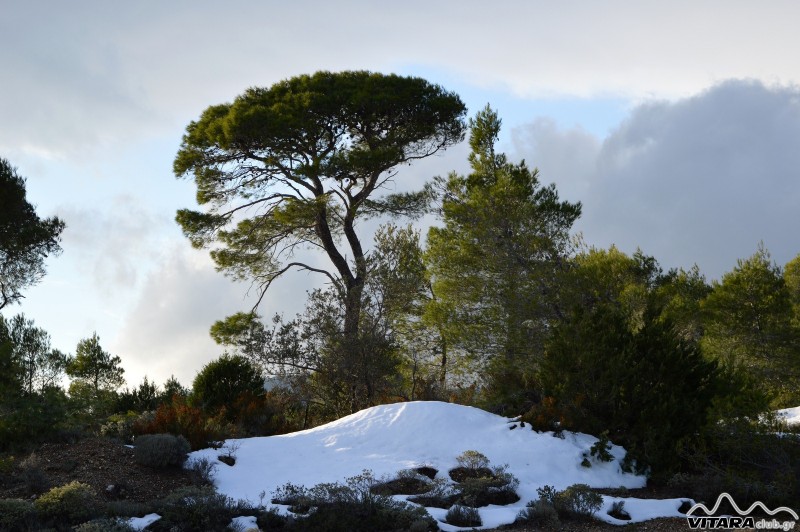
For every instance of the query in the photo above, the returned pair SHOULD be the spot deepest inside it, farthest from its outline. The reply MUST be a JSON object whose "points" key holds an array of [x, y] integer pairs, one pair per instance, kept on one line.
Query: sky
{"points": [[676, 124]]}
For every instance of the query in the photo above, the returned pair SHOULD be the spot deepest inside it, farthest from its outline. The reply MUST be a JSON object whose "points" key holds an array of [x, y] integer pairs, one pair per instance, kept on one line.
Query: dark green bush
{"points": [[540, 513], [199, 508], [603, 376], [351, 507], [748, 460], [72, 503], [105, 525], [577, 501], [618, 511], [161, 450], [463, 516], [17, 515]]}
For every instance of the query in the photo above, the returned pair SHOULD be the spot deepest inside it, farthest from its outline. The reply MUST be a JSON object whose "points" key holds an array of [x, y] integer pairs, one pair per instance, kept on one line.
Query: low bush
{"points": [[204, 469], [198, 508], [105, 525], [17, 515], [72, 503], [463, 516], [540, 513], [576, 502], [618, 511], [352, 506], [160, 451]]}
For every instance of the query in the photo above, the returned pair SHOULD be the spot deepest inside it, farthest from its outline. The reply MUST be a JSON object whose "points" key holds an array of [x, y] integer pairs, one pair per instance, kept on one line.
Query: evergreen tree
{"points": [[96, 376], [299, 164], [25, 239], [225, 379], [651, 390], [40, 366], [496, 264], [748, 319]]}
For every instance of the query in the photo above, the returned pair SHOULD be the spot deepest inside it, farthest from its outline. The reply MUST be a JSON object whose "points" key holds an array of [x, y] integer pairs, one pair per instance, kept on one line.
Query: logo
{"points": [[744, 520]]}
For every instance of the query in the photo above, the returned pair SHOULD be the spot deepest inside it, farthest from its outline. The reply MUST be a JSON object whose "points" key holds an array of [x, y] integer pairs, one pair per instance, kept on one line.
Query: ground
{"points": [[107, 466], [103, 463]]}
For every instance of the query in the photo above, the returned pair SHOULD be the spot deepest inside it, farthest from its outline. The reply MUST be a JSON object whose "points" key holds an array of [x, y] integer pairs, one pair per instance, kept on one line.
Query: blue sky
{"points": [[676, 124]]}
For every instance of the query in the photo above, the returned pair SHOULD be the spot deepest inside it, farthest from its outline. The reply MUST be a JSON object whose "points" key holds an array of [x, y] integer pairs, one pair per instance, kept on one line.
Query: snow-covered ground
{"points": [[386, 439]]}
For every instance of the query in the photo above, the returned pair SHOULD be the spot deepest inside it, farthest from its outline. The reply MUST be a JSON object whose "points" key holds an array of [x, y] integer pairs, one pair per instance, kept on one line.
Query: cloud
{"points": [[111, 243], [82, 76], [166, 332], [699, 180]]}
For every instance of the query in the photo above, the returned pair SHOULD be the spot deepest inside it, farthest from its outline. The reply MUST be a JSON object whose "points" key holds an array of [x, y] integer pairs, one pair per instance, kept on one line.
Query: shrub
{"points": [[539, 512], [17, 514], [601, 447], [33, 477], [199, 508], [472, 460], [178, 417], [105, 525], [352, 506], [578, 500], [120, 427], [204, 469], [604, 376], [618, 511], [440, 495], [72, 503], [161, 450], [471, 464], [478, 485], [499, 487], [463, 516]]}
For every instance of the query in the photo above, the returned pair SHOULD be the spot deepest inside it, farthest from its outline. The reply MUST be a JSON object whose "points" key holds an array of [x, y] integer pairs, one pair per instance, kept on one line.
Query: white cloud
{"points": [[166, 331], [699, 180], [111, 243], [89, 74]]}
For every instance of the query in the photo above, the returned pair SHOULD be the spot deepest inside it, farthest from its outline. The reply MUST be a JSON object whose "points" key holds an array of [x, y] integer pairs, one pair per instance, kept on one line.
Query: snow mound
{"points": [[388, 438]]}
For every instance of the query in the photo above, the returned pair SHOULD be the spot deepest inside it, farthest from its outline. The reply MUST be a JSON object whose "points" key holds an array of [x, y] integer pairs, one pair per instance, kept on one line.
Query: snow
{"points": [[140, 523], [388, 438], [790, 415]]}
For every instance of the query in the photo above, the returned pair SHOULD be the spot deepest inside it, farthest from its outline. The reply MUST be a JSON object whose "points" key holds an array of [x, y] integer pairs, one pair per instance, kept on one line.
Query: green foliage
{"points": [[144, 397], [199, 508], [27, 419], [25, 239], [604, 377], [353, 506], [105, 525], [749, 323], [179, 417], [17, 515], [576, 502], [96, 375], [72, 503], [160, 451], [298, 164], [618, 511], [473, 460], [753, 460], [601, 447], [35, 365], [464, 516], [791, 278], [539, 512], [496, 265], [223, 380]]}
